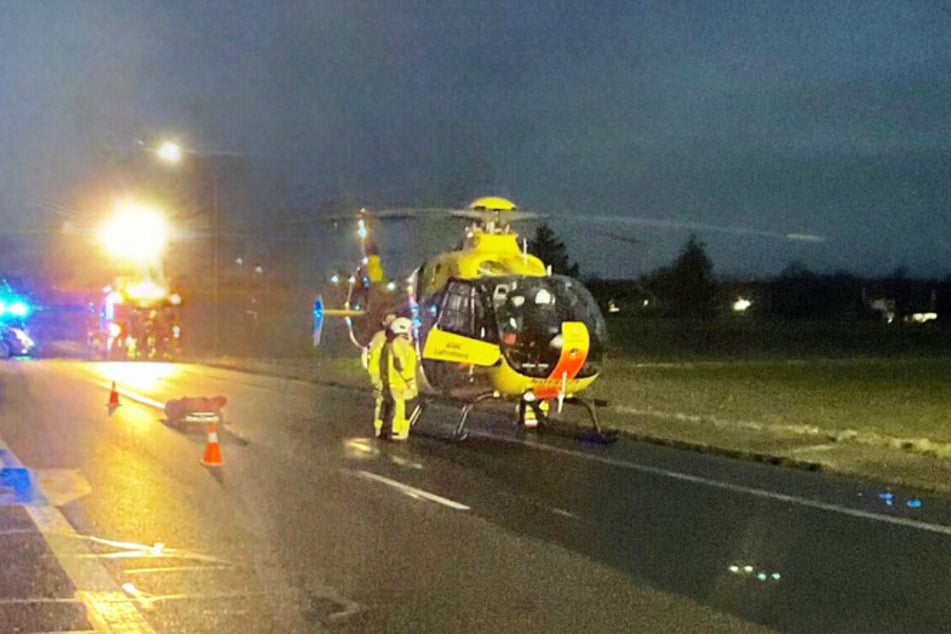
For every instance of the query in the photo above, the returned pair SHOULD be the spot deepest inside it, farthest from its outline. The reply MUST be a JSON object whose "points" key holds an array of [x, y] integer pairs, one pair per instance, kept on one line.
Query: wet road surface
{"points": [[311, 525]]}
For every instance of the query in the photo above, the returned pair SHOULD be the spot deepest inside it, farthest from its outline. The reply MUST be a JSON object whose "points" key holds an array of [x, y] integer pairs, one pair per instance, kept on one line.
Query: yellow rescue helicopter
{"points": [[491, 320]]}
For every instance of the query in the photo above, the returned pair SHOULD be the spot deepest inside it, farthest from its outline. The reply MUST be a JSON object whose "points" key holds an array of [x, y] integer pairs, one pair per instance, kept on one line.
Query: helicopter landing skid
{"points": [[461, 433], [596, 434]]}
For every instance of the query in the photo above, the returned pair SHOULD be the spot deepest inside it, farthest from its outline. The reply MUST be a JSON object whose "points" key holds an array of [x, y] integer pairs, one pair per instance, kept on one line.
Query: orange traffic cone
{"points": [[212, 456], [113, 397]]}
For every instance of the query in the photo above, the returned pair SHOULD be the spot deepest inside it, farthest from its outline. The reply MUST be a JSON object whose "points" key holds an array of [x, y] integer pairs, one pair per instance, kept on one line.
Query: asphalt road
{"points": [[108, 521]]}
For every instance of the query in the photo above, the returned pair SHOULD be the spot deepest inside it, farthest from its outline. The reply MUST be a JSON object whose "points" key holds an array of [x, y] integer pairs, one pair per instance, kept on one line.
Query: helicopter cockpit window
{"points": [[529, 313], [422, 281], [459, 310]]}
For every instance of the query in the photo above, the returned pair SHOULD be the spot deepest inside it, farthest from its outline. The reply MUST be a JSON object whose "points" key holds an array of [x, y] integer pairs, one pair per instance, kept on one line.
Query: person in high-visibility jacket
{"points": [[371, 361], [397, 365]]}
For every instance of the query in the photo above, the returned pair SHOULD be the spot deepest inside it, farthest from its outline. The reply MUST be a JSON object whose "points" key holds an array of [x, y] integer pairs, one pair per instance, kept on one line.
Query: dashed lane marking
{"points": [[133, 396], [413, 491], [676, 475], [941, 529]]}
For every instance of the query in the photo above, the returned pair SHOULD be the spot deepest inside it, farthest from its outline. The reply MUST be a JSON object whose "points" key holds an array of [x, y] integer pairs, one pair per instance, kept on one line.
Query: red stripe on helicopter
{"points": [[574, 352]]}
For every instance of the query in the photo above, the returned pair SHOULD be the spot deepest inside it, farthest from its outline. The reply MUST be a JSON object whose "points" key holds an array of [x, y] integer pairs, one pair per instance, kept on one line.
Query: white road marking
{"points": [[413, 491], [106, 608], [176, 569], [736, 488], [676, 475], [132, 550], [37, 600], [132, 396]]}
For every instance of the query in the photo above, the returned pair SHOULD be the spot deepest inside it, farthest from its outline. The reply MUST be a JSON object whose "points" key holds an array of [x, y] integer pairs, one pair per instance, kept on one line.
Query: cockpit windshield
{"points": [[529, 312]]}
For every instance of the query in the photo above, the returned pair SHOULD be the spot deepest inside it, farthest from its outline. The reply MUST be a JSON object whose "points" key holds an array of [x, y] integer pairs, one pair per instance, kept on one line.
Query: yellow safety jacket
{"points": [[374, 349], [397, 368]]}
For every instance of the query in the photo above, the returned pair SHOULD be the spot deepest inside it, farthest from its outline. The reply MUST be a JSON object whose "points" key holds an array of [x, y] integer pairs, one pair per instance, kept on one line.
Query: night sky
{"points": [[826, 118]]}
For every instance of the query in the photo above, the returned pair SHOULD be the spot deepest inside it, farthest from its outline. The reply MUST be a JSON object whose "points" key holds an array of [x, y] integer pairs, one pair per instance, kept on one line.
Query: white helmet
{"points": [[401, 326]]}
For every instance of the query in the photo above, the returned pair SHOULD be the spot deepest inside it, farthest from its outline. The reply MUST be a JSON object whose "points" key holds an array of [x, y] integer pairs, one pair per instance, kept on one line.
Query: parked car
{"points": [[15, 342]]}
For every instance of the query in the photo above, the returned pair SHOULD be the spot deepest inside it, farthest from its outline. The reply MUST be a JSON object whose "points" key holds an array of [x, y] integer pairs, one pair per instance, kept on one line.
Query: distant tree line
{"points": [[687, 289]]}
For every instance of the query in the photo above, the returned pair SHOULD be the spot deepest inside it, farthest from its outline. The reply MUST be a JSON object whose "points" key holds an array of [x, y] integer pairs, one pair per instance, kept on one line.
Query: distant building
{"points": [[806, 296]]}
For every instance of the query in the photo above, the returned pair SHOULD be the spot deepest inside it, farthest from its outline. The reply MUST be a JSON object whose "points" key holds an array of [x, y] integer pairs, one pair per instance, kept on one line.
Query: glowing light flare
{"points": [[14, 307], [750, 572], [138, 375], [136, 232], [18, 309], [890, 499], [146, 290], [741, 305], [169, 151], [921, 318]]}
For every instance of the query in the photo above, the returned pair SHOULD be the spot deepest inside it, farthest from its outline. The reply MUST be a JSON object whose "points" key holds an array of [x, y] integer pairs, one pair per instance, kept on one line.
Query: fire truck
{"points": [[136, 321]]}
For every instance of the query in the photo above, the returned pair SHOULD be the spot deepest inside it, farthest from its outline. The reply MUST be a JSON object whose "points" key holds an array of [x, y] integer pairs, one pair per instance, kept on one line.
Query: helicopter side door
{"points": [[462, 333]]}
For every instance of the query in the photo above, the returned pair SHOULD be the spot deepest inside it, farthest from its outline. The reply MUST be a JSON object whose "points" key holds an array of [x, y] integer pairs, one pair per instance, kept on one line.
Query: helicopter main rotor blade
{"points": [[507, 216], [690, 225], [614, 236]]}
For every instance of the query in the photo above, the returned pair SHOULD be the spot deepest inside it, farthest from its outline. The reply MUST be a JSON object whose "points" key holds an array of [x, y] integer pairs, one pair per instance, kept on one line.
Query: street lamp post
{"points": [[171, 152], [215, 240]]}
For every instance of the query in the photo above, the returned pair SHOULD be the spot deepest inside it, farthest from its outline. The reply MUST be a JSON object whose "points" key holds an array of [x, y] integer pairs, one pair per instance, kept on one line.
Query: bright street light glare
{"points": [[169, 152], [135, 233]]}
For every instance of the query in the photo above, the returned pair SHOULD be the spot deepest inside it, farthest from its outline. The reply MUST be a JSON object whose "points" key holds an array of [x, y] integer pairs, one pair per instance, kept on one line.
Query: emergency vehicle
{"points": [[136, 320]]}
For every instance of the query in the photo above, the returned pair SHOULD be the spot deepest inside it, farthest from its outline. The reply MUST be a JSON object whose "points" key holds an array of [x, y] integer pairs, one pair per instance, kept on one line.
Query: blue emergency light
{"points": [[14, 307], [318, 319]]}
